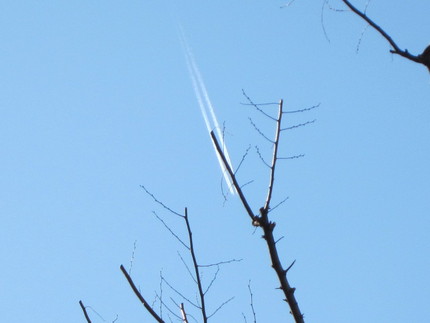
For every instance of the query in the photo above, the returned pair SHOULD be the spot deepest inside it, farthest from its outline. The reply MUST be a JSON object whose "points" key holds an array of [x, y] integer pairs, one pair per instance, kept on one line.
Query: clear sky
{"points": [[96, 100]]}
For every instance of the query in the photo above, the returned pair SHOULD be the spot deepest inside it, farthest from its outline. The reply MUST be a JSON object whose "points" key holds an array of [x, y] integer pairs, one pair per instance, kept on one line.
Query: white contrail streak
{"points": [[206, 106]]}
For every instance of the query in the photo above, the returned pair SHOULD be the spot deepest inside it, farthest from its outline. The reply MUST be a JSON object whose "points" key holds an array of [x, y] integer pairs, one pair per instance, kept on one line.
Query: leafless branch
{"points": [[423, 58], [252, 302], [212, 281], [132, 256], [161, 294], [221, 263], [280, 203], [292, 157], [243, 159], [233, 177], [274, 158], [188, 268], [263, 220], [247, 183], [260, 132], [170, 230], [298, 125], [261, 157], [140, 297], [256, 106], [180, 294], [302, 110], [162, 303], [159, 202], [183, 313], [290, 266], [279, 239], [221, 306], [85, 312], [196, 268]]}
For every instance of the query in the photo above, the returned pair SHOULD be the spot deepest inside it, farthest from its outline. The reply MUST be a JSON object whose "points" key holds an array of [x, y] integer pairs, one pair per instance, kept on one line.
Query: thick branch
{"points": [[267, 226], [424, 58], [140, 297], [233, 177], [85, 312], [183, 313]]}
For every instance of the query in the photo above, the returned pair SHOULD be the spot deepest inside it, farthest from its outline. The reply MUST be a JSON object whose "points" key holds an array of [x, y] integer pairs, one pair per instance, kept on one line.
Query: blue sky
{"points": [[97, 100]]}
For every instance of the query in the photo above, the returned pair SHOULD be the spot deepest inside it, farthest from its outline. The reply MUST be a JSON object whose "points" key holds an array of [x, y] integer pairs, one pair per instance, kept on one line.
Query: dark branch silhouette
{"points": [[85, 312], [423, 58], [140, 297], [263, 221]]}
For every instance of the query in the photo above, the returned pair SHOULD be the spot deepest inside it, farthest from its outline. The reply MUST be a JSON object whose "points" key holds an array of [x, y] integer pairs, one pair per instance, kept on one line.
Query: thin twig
{"points": [[159, 202], [256, 106], [85, 312], [259, 131], [188, 268], [298, 125], [212, 281], [132, 256], [252, 302], [280, 203], [261, 157], [243, 159], [292, 157], [221, 306], [302, 110], [139, 296], [170, 230], [180, 294], [222, 263]]}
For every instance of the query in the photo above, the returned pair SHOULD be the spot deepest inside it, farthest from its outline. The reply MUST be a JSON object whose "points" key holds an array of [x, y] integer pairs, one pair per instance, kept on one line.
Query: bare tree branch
{"points": [[274, 158], [140, 297], [233, 177], [252, 302], [423, 58], [196, 268], [263, 220], [85, 312], [159, 202], [171, 231], [183, 314], [221, 306]]}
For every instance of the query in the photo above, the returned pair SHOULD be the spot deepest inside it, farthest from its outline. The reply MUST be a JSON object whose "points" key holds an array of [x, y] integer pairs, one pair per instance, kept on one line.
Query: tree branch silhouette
{"points": [[262, 220], [423, 58]]}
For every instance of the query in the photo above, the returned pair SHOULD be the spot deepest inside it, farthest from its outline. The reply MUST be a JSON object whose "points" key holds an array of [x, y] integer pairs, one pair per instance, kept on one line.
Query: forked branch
{"points": [[263, 220], [423, 58]]}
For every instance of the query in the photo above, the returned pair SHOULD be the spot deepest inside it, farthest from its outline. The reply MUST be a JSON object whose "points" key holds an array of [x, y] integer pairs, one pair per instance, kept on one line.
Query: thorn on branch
{"points": [[290, 266]]}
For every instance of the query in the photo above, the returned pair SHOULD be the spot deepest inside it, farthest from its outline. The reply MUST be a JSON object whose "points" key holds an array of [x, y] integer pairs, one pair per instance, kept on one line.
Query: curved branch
{"points": [[424, 58]]}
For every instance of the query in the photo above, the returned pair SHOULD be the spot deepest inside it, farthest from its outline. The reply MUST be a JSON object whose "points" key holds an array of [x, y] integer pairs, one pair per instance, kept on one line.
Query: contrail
{"points": [[206, 106]]}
